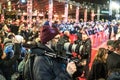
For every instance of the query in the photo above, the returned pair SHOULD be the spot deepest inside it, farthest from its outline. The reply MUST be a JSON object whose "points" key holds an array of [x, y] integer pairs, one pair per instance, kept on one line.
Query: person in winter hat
{"points": [[51, 68]]}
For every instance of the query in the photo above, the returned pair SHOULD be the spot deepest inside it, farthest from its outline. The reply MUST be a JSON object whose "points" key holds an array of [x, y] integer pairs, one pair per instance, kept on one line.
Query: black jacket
{"points": [[98, 70], [113, 61], [86, 51]]}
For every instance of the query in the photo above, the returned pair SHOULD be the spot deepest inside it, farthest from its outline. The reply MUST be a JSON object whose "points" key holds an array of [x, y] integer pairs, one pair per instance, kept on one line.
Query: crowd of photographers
{"points": [[56, 57]]}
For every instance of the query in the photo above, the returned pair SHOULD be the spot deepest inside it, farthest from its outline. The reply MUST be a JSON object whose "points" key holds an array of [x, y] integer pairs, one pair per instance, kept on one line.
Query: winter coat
{"points": [[86, 51], [113, 61], [48, 68]]}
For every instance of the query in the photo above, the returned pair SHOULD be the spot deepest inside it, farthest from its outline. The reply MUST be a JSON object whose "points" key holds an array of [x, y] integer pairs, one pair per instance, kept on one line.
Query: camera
{"points": [[66, 48], [73, 47]]}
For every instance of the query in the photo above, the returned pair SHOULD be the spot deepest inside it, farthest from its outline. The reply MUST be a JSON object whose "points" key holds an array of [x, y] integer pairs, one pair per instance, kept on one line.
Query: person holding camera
{"points": [[47, 67]]}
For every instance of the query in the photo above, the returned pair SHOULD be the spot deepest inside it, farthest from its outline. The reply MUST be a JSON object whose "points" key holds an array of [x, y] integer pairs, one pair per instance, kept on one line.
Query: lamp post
{"points": [[66, 11], [50, 12], [29, 12]]}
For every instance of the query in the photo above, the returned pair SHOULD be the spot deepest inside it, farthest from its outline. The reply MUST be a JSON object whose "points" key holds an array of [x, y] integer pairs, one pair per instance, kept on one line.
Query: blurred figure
{"points": [[114, 74], [8, 45], [52, 68], [109, 30], [6, 64], [86, 52], [99, 68], [79, 36], [65, 37], [115, 30], [110, 46], [113, 60]]}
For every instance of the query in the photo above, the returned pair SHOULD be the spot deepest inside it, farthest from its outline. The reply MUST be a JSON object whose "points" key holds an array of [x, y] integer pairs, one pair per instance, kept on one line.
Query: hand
{"points": [[71, 68]]}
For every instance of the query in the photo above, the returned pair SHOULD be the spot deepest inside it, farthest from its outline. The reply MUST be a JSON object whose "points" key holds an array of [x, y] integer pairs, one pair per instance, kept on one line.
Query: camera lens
{"points": [[73, 47]]}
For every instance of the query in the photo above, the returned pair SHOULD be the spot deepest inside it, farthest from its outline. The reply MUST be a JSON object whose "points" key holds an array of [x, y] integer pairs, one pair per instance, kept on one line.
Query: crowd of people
{"points": [[54, 55]]}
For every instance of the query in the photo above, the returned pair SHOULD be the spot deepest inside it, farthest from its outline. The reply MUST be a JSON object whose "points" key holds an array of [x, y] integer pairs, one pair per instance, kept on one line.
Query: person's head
{"points": [[48, 33], [67, 33], [110, 45], [54, 42], [102, 54], [19, 38], [11, 36], [116, 46], [47, 23], [84, 36]]}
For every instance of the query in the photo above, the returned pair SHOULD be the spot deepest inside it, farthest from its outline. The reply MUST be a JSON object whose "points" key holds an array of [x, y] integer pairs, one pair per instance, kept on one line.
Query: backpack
{"points": [[28, 65]]}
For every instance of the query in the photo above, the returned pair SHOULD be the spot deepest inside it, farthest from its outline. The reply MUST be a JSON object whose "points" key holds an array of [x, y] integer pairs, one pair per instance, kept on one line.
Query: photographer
{"points": [[6, 64], [86, 52], [50, 68]]}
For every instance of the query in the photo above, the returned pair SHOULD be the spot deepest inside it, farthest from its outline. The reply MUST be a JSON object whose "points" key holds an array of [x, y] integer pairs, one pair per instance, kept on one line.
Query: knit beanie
{"points": [[48, 33]]}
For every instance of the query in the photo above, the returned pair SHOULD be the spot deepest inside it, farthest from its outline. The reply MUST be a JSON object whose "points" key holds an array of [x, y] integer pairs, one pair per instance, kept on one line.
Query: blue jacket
{"points": [[48, 68]]}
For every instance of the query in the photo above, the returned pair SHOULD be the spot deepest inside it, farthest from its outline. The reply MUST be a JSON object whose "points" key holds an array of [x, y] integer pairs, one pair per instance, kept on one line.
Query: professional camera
{"points": [[67, 48]]}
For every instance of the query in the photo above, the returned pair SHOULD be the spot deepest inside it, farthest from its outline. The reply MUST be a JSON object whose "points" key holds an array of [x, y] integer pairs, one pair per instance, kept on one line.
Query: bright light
{"points": [[23, 1], [24, 13], [115, 5], [40, 14], [55, 15], [63, 15]]}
